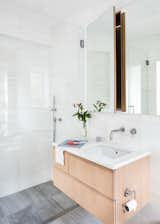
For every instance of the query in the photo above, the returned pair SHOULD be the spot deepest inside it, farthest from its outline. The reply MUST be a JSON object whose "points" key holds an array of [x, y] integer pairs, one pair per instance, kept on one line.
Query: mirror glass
{"points": [[100, 61], [143, 57]]}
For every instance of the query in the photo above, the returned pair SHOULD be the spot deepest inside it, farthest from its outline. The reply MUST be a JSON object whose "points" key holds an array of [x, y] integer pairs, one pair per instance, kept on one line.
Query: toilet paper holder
{"points": [[130, 193]]}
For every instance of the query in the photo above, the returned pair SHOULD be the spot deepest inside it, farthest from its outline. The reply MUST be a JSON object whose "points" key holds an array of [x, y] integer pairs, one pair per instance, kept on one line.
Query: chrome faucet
{"points": [[121, 129]]}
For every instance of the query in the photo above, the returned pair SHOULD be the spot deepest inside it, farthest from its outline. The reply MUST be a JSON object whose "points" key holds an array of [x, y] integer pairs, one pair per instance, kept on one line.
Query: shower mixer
{"points": [[55, 119]]}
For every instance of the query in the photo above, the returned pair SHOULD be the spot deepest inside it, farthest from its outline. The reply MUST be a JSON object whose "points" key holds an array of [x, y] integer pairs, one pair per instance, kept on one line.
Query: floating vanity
{"points": [[102, 179]]}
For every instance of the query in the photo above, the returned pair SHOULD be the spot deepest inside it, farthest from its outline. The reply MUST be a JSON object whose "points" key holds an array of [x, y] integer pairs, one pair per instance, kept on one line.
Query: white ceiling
{"points": [[60, 10], [57, 10], [141, 14]]}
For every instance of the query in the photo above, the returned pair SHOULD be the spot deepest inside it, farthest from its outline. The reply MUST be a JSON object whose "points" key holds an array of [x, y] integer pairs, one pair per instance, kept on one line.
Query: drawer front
{"points": [[94, 202], [97, 177]]}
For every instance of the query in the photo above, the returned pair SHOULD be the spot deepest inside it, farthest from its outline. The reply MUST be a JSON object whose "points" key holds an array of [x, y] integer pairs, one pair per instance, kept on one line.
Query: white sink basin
{"points": [[106, 151], [105, 154]]}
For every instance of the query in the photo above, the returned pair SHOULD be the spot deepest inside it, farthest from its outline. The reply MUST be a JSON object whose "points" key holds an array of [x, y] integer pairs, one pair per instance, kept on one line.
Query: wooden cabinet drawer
{"points": [[94, 202], [97, 177]]}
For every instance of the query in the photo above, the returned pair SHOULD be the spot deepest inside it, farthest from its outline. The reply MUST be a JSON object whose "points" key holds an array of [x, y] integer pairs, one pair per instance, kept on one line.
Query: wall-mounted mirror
{"points": [[143, 57], [100, 60]]}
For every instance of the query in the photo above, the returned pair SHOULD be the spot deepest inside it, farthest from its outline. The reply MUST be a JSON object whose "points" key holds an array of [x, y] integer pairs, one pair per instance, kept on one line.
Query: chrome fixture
{"points": [[55, 119], [82, 43], [128, 192], [121, 129], [54, 105], [133, 131], [147, 62]]}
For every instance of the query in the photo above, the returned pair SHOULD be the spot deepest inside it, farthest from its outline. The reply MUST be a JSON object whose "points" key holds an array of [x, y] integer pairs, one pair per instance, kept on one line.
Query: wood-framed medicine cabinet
{"points": [[120, 61]]}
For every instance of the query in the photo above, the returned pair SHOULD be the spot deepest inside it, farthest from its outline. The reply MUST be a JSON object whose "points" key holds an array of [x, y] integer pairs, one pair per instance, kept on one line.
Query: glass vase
{"points": [[85, 130]]}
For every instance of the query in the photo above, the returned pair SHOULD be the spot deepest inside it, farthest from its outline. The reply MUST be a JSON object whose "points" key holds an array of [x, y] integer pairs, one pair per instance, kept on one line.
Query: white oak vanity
{"points": [[101, 190]]}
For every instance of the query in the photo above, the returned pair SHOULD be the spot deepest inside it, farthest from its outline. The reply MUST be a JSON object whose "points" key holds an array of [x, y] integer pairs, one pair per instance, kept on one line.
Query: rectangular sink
{"points": [[106, 151]]}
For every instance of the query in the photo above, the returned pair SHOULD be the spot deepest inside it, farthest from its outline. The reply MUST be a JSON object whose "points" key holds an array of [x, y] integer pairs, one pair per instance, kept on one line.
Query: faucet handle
{"points": [[133, 131], [122, 129]]}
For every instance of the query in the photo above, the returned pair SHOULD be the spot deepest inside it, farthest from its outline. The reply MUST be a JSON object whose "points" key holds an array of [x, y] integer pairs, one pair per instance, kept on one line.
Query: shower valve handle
{"points": [[58, 119]]}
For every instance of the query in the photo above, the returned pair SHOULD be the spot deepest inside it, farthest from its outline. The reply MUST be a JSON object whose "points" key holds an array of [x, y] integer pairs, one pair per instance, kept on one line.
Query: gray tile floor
{"points": [[36, 205], [45, 204], [149, 215]]}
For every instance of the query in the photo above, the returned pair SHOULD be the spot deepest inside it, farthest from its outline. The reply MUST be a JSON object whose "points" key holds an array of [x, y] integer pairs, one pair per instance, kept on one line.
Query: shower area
{"points": [[26, 100]]}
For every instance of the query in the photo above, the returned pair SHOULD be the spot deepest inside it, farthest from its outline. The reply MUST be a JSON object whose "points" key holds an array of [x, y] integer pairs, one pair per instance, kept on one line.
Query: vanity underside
{"points": [[100, 190]]}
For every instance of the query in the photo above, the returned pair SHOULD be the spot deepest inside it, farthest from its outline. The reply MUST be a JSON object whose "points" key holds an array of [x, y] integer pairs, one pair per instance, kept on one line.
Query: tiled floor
{"points": [[149, 215], [45, 204], [37, 205]]}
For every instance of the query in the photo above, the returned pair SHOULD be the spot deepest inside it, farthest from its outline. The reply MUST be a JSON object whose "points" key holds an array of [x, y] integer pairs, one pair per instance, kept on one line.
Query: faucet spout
{"points": [[121, 129]]}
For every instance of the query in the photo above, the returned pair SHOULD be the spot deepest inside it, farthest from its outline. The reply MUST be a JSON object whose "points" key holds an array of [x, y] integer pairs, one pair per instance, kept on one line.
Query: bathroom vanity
{"points": [[103, 187]]}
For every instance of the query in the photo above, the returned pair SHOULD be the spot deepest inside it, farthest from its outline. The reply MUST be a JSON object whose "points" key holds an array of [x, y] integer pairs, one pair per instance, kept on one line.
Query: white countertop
{"points": [[102, 160]]}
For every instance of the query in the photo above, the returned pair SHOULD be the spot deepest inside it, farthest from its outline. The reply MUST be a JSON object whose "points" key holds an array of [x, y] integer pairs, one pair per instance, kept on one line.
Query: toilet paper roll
{"points": [[131, 206]]}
